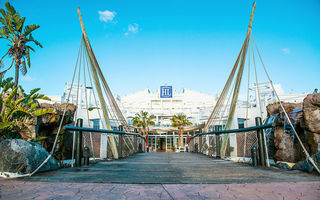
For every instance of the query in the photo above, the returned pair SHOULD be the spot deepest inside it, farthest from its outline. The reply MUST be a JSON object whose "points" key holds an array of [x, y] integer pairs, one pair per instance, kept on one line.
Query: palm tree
{"points": [[19, 36], [180, 121], [143, 120]]}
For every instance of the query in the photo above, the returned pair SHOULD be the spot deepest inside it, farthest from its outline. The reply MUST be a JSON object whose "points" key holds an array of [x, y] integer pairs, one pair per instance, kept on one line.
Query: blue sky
{"points": [[187, 44]]}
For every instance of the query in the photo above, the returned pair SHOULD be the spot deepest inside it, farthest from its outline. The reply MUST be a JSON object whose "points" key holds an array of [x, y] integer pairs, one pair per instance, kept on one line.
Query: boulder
{"points": [[311, 113], [284, 145], [311, 121], [275, 108], [306, 164], [306, 120], [23, 157]]}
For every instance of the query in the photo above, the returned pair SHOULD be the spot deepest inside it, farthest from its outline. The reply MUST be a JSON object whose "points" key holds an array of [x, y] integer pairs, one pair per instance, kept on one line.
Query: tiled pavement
{"points": [[164, 176], [15, 190]]}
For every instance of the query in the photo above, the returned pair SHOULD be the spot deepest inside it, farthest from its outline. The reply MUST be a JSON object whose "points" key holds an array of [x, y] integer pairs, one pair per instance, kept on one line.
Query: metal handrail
{"points": [[253, 128], [75, 128]]}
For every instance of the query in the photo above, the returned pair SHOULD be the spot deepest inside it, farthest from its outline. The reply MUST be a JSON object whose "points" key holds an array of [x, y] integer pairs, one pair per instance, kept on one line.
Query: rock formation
{"points": [[22, 157], [311, 121], [306, 164], [306, 119], [47, 126]]}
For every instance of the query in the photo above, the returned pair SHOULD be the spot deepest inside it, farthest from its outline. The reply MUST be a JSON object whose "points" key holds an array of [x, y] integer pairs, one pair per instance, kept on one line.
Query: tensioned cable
{"points": [[87, 107], [96, 102], [247, 109], [286, 114], [225, 107], [258, 96], [77, 104], [60, 126], [94, 95], [257, 84], [108, 91], [226, 87], [249, 58]]}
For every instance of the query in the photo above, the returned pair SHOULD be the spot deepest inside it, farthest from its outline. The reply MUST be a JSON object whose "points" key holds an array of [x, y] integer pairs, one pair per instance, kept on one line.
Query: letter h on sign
{"points": [[165, 91]]}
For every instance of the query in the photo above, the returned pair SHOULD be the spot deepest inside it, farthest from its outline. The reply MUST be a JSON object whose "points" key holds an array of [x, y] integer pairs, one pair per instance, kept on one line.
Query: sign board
{"points": [[165, 91]]}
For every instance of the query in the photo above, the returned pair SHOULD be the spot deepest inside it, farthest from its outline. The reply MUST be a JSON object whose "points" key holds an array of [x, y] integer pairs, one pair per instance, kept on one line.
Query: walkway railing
{"points": [[247, 143], [87, 142]]}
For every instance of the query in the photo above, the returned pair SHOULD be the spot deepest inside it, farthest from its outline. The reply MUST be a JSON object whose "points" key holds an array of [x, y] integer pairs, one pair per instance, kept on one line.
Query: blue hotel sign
{"points": [[165, 91]]}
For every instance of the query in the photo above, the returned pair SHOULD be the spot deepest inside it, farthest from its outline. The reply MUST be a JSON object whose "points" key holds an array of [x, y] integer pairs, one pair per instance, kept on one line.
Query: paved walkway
{"points": [[15, 190], [173, 168], [173, 176]]}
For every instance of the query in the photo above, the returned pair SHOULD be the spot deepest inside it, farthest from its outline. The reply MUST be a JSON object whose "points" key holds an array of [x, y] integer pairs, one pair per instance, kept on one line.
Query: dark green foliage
{"points": [[18, 36], [16, 113], [143, 120]]}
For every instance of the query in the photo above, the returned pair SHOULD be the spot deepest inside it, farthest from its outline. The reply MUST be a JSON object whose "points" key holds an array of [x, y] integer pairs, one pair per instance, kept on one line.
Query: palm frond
{"points": [[3, 12], [4, 125], [17, 102], [10, 97], [23, 68], [10, 8], [40, 96], [20, 24], [33, 91], [4, 32], [29, 47], [30, 28], [31, 39], [40, 112], [33, 106]]}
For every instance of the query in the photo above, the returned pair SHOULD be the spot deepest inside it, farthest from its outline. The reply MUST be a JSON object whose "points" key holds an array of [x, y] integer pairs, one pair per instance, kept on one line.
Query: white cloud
{"points": [[106, 16], [132, 28], [286, 51]]}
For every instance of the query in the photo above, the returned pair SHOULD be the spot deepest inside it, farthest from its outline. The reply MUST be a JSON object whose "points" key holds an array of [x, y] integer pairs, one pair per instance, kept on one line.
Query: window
{"points": [[241, 122], [96, 123]]}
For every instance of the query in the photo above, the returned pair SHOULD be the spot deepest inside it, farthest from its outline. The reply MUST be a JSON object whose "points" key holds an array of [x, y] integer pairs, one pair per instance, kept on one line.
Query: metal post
{"points": [[200, 141], [261, 148], [140, 145], [86, 155], [79, 143], [194, 142], [254, 156], [218, 146], [120, 141], [135, 144]]}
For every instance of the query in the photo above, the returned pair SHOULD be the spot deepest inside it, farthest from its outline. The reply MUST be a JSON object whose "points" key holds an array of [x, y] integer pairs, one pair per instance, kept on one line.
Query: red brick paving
{"points": [[15, 190]]}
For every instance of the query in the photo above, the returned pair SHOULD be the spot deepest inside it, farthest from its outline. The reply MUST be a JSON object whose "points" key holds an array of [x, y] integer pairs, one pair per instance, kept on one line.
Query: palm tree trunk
{"points": [[16, 80], [181, 136], [178, 145]]}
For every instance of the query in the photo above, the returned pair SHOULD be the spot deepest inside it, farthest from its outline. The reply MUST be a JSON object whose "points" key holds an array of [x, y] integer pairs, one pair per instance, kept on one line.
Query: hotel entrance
{"points": [[164, 143], [162, 147]]}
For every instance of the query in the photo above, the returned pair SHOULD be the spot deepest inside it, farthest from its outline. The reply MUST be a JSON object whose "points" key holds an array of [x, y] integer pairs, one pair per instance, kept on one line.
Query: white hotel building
{"points": [[195, 105], [166, 102]]}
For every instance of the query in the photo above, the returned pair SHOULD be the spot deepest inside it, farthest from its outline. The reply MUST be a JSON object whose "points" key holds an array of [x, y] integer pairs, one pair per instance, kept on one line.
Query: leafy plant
{"points": [[19, 37], [180, 121], [142, 121], [16, 114]]}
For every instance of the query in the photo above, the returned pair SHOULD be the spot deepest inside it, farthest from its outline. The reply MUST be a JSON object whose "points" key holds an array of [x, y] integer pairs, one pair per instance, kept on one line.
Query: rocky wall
{"points": [[306, 119]]}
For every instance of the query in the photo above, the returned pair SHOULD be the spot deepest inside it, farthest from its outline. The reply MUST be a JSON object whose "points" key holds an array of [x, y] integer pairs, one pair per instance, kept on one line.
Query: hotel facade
{"points": [[166, 102]]}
